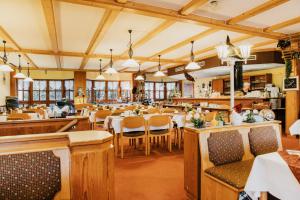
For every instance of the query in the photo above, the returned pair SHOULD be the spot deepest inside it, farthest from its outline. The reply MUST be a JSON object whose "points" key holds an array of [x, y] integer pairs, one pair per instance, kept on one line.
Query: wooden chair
{"points": [[133, 122], [18, 116], [168, 110], [158, 121], [131, 107], [153, 110], [99, 118], [118, 112]]}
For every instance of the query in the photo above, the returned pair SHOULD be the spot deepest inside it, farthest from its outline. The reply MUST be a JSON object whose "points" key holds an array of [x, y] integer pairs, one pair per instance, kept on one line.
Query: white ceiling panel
{"points": [[71, 62], [226, 9], [117, 37], [25, 22], [275, 15], [94, 63], [43, 61], [170, 4], [211, 40], [290, 29], [171, 36], [76, 25]]}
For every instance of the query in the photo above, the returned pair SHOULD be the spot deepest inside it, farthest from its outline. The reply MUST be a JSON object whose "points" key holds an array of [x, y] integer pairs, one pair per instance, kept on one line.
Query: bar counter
{"points": [[192, 159], [224, 100]]}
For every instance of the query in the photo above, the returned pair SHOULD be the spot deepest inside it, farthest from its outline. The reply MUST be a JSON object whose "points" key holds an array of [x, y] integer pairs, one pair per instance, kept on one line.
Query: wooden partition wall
{"points": [[86, 164]]}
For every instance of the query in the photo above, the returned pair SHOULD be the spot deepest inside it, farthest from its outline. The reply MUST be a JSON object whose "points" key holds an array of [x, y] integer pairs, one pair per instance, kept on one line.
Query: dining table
{"points": [[271, 173], [114, 122]]}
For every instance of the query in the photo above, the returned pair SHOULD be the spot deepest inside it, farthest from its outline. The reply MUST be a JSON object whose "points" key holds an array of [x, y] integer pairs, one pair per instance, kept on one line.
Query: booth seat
{"points": [[227, 158], [75, 165]]}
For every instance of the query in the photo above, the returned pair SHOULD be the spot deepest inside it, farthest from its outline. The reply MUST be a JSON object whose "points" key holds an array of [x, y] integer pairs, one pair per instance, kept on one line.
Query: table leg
{"points": [[263, 196]]}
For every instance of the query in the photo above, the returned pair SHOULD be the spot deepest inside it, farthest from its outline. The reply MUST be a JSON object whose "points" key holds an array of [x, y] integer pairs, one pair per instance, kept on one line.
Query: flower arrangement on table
{"points": [[220, 119], [198, 120], [249, 117]]}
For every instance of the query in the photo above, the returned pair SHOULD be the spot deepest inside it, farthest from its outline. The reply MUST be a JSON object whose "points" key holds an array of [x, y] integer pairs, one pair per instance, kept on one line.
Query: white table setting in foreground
{"points": [[116, 122], [270, 173], [295, 128]]}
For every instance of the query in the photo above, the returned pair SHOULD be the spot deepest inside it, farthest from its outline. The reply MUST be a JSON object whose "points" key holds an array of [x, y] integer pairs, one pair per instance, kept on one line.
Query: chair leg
{"points": [[170, 143], [179, 139], [146, 146], [122, 148]]}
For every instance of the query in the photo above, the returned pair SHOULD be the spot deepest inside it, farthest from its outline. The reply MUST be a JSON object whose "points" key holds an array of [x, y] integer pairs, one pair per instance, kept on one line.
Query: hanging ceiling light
{"points": [[5, 67], [100, 76], [139, 75], [28, 78], [192, 65], [20, 74], [111, 70], [159, 73], [130, 62]]}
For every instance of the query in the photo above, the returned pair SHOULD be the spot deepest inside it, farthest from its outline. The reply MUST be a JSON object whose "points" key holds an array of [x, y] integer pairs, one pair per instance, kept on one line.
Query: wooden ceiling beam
{"points": [[283, 24], [257, 10], [103, 26], [170, 14], [9, 39], [51, 25], [121, 1], [192, 6]]}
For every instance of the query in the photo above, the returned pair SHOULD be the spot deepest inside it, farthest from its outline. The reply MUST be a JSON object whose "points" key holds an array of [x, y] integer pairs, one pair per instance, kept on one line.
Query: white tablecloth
{"points": [[116, 123], [270, 173], [295, 128]]}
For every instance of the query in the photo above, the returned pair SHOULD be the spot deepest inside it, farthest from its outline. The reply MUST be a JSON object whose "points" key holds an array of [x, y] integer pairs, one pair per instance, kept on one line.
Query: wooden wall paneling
{"points": [[13, 84], [79, 82], [217, 85]]}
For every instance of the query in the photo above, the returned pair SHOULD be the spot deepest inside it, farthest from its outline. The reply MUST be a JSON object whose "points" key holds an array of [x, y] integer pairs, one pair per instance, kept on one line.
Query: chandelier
{"points": [[100, 76], [111, 70], [28, 78], [130, 62], [192, 65], [20, 75], [139, 75], [159, 73], [5, 67]]}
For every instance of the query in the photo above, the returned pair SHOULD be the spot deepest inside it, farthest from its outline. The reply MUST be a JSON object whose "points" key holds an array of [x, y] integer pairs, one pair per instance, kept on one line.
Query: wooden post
{"points": [[13, 84], [79, 82]]}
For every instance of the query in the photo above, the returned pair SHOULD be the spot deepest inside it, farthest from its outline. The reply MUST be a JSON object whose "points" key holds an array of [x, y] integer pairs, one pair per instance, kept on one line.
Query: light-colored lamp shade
{"points": [[111, 70], [222, 51], [130, 63], [28, 79], [100, 77], [139, 78], [19, 75], [159, 74], [5, 68], [193, 66]]}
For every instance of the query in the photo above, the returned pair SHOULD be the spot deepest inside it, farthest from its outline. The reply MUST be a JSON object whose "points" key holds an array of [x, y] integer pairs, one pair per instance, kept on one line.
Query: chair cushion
{"points": [[234, 174], [225, 147], [159, 132], [133, 133], [263, 140]]}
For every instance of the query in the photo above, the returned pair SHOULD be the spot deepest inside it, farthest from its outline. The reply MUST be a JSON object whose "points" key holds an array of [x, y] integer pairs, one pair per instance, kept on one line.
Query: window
{"points": [[69, 89], [159, 91], [23, 90], [39, 90], [99, 88], [125, 89], [55, 90], [112, 87], [89, 90], [149, 90], [170, 89]]}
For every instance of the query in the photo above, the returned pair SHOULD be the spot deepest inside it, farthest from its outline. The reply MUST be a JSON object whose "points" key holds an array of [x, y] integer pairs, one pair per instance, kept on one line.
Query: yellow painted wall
{"points": [[41, 74], [4, 87], [113, 77]]}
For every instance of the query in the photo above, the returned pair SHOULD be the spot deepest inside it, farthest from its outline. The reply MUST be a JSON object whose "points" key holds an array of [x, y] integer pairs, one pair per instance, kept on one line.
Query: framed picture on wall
{"points": [[291, 83]]}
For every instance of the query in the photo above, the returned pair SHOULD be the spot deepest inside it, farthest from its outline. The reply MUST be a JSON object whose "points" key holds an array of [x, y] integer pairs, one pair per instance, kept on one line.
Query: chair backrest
{"points": [[153, 110], [131, 107], [47, 174], [210, 116], [133, 122], [102, 114], [168, 110], [244, 131], [18, 116], [159, 120], [118, 112]]}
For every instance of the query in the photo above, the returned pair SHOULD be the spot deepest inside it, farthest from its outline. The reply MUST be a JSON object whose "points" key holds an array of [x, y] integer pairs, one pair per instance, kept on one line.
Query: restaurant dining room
{"points": [[149, 99]]}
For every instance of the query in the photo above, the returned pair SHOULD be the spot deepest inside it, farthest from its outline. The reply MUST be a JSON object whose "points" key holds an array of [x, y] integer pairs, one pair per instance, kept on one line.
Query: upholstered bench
{"points": [[227, 158]]}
